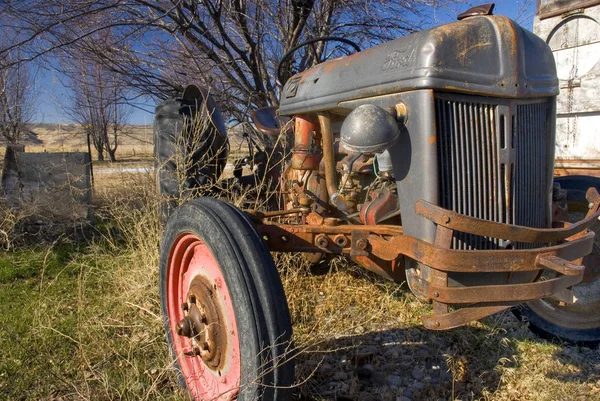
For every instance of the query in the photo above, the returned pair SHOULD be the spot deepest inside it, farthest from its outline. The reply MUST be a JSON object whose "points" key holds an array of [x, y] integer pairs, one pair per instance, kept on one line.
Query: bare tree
{"points": [[230, 46], [96, 103], [16, 85]]}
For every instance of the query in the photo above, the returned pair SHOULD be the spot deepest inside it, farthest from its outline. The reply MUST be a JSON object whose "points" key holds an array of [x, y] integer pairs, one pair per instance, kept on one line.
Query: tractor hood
{"points": [[484, 55]]}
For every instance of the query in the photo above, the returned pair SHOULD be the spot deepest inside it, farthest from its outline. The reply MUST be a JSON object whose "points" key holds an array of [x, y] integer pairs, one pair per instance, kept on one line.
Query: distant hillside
{"points": [[134, 141]]}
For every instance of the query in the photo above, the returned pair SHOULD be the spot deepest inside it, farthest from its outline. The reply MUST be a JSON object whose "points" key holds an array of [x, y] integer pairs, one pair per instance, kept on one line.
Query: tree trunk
{"points": [[100, 154], [111, 155]]}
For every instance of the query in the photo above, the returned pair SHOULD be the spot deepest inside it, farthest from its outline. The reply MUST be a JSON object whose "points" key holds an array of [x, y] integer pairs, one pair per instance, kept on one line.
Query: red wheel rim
{"points": [[191, 263]]}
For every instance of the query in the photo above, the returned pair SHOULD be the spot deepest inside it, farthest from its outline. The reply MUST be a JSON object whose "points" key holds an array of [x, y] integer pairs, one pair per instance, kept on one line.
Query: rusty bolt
{"points": [[436, 294], [446, 219], [322, 241], [184, 327], [341, 240], [362, 244], [265, 238], [437, 324], [284, 239]]}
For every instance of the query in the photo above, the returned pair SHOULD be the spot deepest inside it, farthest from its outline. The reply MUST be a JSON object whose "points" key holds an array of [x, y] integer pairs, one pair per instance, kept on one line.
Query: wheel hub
{"points": [[204, 323]]}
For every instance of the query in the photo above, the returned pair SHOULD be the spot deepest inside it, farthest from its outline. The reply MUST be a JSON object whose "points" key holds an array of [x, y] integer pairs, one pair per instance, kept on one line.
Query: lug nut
{"points": [[184, 327]]}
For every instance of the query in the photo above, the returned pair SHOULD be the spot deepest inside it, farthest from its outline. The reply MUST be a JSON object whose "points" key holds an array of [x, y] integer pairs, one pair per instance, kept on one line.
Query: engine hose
{"points": [[335, 198]]}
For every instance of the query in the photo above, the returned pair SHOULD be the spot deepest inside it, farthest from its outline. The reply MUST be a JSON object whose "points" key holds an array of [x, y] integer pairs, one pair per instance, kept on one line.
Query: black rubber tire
{"points": [[576, 187], [203, 162], [256, 292]]}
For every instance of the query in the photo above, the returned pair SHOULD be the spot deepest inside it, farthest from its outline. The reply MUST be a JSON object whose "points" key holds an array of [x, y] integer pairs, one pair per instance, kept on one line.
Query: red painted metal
{"points": [[191, 259]]}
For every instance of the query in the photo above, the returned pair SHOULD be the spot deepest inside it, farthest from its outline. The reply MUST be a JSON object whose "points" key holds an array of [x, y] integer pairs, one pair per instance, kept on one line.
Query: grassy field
{"points": [[80, 316], [80, 320]]}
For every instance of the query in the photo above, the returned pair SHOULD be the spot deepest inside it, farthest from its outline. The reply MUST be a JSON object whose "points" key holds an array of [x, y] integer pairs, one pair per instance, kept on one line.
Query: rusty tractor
{"points": [[427, 160]]}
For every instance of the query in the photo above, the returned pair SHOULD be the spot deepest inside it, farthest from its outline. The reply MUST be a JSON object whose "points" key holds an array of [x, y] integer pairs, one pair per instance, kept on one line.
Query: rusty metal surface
{"points": [[485, 261], [380, 247], [306, 154], [503, 293], [483, 9], [460, 317], [383, 202], [458, 222], [335, 198], [204, 324], [301, 238]]}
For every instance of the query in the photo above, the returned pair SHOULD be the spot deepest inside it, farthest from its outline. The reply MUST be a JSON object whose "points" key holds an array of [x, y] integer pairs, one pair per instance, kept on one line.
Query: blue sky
{"points": [[52, 98]]}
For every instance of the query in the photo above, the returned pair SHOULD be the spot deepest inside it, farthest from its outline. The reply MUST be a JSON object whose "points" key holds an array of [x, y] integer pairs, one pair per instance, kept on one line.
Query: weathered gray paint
{"points": [[488, 55], [414, 157]]}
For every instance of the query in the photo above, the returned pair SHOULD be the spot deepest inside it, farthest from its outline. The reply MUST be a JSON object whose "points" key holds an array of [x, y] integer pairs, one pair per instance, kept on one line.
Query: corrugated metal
{"points": [[492, 163]]}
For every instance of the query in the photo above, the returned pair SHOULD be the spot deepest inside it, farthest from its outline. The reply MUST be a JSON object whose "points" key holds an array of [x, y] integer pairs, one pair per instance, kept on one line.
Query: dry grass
{"points": [[82, 322]]}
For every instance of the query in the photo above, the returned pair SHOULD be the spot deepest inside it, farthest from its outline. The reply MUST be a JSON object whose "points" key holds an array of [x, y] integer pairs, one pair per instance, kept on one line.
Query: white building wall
{"points": [[575, 41]]}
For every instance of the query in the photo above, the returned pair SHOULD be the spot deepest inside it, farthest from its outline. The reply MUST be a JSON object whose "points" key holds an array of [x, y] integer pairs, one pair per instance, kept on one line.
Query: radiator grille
{"points": [[493, 164]]}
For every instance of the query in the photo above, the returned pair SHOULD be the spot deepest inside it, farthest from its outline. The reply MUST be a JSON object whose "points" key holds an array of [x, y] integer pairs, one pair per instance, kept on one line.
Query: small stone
{"points": [[391, 353], [422, 353], [406, 358], [339, 376], [393, 380], [402, 398], [325, 369], [369, 397], [365, 371], [417, 373], [427, 379], [378, 378], [418, 385]]}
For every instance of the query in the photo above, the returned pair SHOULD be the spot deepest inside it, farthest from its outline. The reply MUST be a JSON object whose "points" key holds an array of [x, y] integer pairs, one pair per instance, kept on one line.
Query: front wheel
{"points": [[226, 316], [579, 322]]}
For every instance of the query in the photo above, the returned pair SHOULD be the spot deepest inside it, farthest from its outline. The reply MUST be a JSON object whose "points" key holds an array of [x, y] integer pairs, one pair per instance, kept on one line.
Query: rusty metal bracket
{"points": [[504, 292], [359, 243], [460, 317], [476, 261], [458, 222], [387, 243]]}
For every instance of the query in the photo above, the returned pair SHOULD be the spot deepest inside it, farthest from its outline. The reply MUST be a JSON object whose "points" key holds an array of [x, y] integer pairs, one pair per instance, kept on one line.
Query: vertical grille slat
{"points": [[493, 163]]}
